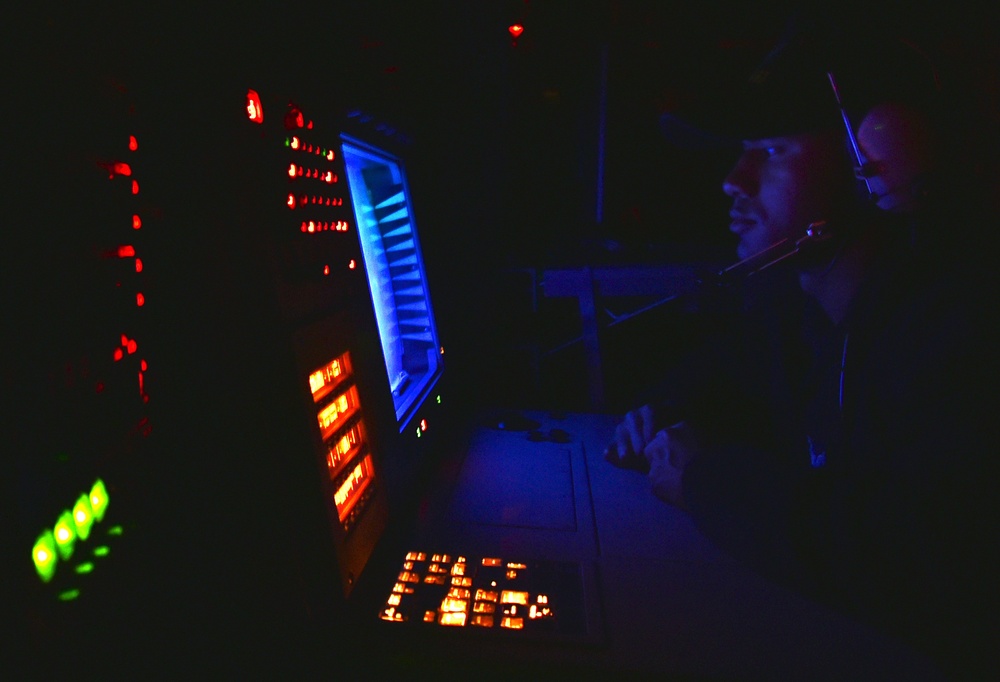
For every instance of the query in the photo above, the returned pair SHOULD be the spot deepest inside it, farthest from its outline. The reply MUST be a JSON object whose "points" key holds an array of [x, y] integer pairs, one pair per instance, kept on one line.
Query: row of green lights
{"points": [[60, 541]]}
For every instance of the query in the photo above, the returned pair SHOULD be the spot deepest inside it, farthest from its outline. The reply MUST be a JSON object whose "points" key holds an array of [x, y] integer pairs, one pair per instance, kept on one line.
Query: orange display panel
{"points": [[342, 449], [329, 376], [352, 489], [335, 415]]}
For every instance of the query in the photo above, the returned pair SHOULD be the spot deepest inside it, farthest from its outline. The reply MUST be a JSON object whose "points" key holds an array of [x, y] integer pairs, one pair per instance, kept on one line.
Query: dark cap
{"points": [[790, 91]]}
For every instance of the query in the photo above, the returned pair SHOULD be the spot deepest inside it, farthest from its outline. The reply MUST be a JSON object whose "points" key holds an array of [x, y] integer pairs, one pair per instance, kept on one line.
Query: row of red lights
{"points": [[295, 202], [313, 226], [295, 171], [297, 144]]}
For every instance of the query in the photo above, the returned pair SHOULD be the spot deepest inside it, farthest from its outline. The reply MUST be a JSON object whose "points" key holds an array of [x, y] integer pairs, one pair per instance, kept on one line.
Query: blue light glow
{"points": [[396, 277]]}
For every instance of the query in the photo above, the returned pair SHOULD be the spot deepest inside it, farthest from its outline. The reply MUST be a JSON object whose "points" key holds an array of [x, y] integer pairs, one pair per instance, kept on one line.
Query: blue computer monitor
{"points": [[396, 276]]}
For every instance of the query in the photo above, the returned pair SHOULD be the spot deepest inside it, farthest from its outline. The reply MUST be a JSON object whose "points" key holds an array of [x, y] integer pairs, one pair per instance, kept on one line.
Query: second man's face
{"points": [[780, 185]]}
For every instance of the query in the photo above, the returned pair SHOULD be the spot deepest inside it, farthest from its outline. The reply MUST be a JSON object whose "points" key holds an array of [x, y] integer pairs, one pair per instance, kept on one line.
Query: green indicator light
{"points": [[83, 517], [419, 433], [115, 530], [288, 142], [65, 534], [69, 595], [103, 550], [44, 555], [439, 400], [99, 499], [85, 567]]}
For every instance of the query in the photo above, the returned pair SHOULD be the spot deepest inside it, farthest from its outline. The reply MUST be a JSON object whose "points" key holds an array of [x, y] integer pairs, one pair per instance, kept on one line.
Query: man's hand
{"points": [[668, 453], [631, 438]]}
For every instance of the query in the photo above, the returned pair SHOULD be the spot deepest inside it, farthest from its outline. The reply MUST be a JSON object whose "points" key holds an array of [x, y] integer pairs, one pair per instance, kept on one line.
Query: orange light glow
{"points": [[482, 621], [344, 449], [491, 561], [513, 597], [354, 485], [133, 144], [486, 595], [352, 264], [255, 110], [334, 415], [292, 171], [452, 605], [416, 556], [323, 380], [453, 618], [515, 30], [136, 222], [295, 142], [512, 623], [329, 155]]}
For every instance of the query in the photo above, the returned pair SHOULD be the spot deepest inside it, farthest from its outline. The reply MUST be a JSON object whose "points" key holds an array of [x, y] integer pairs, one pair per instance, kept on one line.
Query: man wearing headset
{"points": [[844, 442]]}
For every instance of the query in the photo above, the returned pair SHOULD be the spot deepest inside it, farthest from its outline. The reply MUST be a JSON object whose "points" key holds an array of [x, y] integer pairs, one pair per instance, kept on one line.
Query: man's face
{"points": [[780, 185]]}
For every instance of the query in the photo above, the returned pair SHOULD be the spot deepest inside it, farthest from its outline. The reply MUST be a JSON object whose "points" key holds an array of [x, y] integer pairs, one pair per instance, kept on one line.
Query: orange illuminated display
{"points": [[324, 379], [344, 449], [513, 597], [351, 490], [336, 414]]}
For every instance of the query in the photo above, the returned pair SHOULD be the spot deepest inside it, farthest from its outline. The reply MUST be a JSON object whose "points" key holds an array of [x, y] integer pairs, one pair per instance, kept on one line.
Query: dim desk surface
{"points": [[660, 597]]}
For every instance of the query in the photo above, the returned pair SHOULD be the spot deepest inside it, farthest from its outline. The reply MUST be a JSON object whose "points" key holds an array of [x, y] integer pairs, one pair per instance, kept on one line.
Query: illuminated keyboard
{"points": [[480, 593]]}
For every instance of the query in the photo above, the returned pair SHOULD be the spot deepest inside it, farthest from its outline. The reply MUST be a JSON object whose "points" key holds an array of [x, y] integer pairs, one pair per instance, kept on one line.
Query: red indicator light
{"points": [[291, 201], [133, 144], [329, 155], [120, 168], [326, 269], [99, 387], [255, 111], [423, 424], [291, 170], [136, 222], [140, 300], [143, 366], [294, 118], [352, 264], [132, 346], [295, 143], [126, 251], [135, 187], [138, 265], [124, 340], [119, 354], [141, 392], [515, 30]]}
